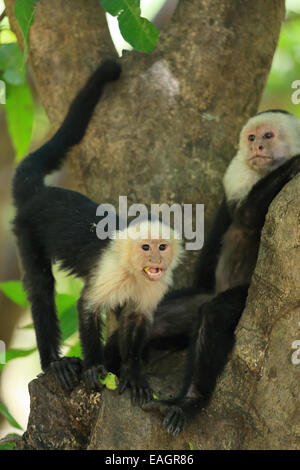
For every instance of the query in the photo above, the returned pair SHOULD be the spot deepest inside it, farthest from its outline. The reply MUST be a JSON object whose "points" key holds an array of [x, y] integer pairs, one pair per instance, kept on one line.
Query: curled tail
{"points": [[29, 176]]}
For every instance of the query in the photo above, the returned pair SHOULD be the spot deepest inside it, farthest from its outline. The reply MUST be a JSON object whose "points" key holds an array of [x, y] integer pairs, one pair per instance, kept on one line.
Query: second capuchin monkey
{"points": [[128, 272], [268, 157]]}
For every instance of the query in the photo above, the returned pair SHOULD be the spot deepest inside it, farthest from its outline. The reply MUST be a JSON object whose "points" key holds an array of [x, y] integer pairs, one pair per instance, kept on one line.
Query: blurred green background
{"points": [[24, 126]]}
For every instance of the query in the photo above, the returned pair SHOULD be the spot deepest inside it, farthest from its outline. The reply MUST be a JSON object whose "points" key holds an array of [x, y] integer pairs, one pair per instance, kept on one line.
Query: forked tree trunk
{"points": [[165, 133]]}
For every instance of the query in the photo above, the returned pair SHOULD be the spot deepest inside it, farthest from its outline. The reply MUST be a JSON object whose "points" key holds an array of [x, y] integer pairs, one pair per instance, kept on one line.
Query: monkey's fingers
{"points": [[62, 376], [90, 377], [141, 394], [174, 419], [74, 367], [123, 383], [67, 370], [149, 395]]}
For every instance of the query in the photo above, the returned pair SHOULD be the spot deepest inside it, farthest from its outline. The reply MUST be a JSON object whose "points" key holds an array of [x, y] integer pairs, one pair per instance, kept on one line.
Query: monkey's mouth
{"points": [[261, 160], [153, 273]]}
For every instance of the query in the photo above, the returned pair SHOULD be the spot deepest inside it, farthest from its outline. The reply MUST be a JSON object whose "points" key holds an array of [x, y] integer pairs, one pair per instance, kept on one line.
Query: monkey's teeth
{"points": [[152, 270], [153, 273]]}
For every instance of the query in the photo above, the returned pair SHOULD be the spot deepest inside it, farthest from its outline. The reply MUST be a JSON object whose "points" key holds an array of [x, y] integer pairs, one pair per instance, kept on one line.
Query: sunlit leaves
{"points": [[19, 116], [7, 446], [16, 354], [4, 411], [15, 292], [137, 31], [66, 306], [11, 64], [25, 13]]}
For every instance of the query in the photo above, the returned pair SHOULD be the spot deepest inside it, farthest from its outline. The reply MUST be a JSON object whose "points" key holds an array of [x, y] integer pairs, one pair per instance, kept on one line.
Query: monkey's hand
{"points": [[140, 390], [67, 370], [91, 377], [176, 412]]}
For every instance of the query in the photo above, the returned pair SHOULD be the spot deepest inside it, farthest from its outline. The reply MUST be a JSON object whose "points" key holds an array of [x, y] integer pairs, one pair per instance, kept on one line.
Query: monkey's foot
{"points": [[177, 411], [90, 377], [140, 390], [67, 370], [174, 416]]}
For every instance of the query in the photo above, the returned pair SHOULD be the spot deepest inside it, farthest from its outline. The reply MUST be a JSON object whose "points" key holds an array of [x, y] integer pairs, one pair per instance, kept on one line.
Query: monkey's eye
{"points": [[268, 135], [146, 247], [251, 137], [162, 247]]}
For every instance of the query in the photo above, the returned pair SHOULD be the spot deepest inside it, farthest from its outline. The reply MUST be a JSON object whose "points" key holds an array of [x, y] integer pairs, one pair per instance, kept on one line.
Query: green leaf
{"points": [[110, 381], [14, 290], [67, 314], [4, 411], [11, 64], [191, 446], [25, 13], [27, 327], [75, 350], [13, 77], [15, 354], [138, 31], [20, 114], [113, 7], [7, 446], [66, 306]]}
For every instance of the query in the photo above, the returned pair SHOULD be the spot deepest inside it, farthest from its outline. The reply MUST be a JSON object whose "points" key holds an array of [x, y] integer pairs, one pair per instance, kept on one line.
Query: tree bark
{"points": [[165, 133]]}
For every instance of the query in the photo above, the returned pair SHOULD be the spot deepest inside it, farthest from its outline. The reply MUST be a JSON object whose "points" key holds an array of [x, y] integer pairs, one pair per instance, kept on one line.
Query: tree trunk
{"points": [[165, 133]]}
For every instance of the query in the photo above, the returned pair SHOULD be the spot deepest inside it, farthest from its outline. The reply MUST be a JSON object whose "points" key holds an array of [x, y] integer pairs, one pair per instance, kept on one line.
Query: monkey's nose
{"points": [[261, 147]]}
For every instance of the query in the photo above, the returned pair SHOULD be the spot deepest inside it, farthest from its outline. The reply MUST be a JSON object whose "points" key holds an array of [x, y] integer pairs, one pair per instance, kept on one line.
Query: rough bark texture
{"points": [[165, 133]]}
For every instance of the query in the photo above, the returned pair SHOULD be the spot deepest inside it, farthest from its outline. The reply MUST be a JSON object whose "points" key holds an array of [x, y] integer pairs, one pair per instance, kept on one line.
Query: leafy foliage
{"points": [[15, 354], [25, 13], [19, 102], [19, 116], [285, 67], [4, 411], [15, 292], [7, 446], [141, 34], [66, 306]]}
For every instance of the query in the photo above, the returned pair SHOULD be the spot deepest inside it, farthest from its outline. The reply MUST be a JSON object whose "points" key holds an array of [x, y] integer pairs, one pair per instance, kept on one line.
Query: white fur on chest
{"points": [[239, 178]]}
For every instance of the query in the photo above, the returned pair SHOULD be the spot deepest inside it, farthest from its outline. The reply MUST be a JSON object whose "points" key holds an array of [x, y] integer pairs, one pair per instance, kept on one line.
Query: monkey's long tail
{"points": [[29, 176]]}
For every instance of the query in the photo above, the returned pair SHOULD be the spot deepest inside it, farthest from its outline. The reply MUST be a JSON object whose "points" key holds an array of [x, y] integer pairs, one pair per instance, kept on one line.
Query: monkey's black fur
{"points": [[212, 334], [57, 225]]}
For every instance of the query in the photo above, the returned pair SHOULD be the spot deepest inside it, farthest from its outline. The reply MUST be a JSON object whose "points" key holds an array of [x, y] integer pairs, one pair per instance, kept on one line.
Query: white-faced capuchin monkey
{"points": [[268, 157], [129, 273]]}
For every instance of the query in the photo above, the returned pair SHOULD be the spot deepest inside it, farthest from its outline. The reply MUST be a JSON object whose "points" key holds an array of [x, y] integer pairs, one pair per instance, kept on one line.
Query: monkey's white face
{"points": [[152, 258], [265, 147]]}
